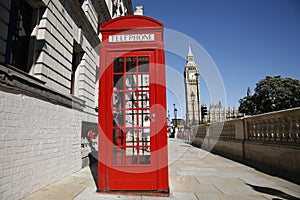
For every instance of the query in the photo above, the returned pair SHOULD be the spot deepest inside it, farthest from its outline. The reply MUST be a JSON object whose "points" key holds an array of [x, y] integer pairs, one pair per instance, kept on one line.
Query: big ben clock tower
{"points": [[192, 93]]}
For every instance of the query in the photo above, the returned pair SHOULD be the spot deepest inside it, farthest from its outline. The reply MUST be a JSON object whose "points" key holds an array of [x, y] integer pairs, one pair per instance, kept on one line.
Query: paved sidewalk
{"points": [[194, 174]]}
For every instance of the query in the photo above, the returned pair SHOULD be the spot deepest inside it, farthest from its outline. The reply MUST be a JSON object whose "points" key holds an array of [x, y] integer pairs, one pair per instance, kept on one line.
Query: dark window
{"points": [[121, 10], [19, 48], [77, 56], [114, 7], [81, 1]]}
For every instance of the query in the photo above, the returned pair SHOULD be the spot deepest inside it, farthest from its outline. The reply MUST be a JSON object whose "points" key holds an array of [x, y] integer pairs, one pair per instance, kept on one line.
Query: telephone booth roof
{"points": [[130, 22]]}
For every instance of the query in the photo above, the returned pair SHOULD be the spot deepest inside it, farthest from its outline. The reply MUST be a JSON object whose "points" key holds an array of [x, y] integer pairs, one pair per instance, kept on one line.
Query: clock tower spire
{"points": [[190, 56], [192, 91]]}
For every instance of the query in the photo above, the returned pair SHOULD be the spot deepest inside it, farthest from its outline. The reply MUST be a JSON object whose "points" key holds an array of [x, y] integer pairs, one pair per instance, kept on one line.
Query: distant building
{"points": [[218, 113], [49, 71]]}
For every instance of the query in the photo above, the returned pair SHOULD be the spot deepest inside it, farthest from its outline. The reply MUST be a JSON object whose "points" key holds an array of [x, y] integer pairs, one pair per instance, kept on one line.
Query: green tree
{"points": [[247, 105], [271, 94]]}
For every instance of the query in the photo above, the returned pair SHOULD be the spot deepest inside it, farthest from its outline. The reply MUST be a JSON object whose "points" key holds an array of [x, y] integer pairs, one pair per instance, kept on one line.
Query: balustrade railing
{"points": [[282, 126], [283, 129], [228, 130], [216, 130], [201, 131]]}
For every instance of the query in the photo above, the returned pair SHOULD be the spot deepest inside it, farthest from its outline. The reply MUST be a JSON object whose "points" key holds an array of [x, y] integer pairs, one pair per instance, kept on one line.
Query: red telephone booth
{"points": [[133, 153]]}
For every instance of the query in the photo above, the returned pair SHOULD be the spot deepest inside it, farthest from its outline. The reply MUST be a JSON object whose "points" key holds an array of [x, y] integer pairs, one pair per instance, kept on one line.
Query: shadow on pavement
{"points": [[273, 192], [93, 156]]}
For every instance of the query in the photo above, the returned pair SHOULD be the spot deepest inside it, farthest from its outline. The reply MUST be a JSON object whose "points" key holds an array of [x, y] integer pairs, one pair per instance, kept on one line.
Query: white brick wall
{"points": [[39, 143]]}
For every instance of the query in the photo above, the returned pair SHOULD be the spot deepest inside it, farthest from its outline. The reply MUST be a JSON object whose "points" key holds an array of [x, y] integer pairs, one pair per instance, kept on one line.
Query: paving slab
{"points": [[194, 174]]}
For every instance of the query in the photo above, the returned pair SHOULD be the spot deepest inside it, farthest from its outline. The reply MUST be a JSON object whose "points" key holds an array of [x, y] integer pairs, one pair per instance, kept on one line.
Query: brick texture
{"points": [[40, 143]]}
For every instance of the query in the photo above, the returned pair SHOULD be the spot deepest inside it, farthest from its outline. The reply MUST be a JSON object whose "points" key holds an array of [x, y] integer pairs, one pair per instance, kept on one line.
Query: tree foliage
{"points": [[271, 94]]}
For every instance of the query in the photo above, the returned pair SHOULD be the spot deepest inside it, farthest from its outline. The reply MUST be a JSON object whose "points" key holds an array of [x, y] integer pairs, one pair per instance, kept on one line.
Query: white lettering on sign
{"points": [[131, 38]]}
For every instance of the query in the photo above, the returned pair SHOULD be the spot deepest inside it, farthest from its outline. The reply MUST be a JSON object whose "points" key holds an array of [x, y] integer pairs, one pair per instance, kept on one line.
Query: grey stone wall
{"points": [[59, 28]]}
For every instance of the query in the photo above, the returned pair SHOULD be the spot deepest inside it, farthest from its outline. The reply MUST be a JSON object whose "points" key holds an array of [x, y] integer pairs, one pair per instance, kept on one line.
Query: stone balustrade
{"points": [[271, 139], [283, 126], [217, 130], [279, 127]]}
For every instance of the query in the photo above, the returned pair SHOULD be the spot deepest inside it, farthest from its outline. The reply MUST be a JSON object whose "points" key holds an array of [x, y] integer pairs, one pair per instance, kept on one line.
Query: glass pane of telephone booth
{"points": [[143, 64], [118, 65], [131, 64], [131, 111]]}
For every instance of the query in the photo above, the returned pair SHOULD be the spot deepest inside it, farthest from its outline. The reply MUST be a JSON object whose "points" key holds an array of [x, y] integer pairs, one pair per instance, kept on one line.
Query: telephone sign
{"points": [[133, 152], [131, 38]]}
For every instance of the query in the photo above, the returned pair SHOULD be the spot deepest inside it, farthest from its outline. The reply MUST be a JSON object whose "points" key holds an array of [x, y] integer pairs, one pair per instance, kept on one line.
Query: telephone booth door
{"points": [[132, 117], [131, 128]]}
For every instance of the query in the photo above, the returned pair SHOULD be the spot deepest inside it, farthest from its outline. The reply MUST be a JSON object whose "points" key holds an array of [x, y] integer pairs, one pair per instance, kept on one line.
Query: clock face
{"points": [[192, 76]]}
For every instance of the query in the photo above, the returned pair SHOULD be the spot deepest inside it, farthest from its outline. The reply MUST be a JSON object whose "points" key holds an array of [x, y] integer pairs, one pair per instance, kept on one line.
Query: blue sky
{"points": [[246, 39]]}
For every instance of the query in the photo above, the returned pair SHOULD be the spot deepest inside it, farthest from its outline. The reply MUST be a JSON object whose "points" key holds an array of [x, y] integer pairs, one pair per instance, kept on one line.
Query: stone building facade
{"points": [[218, 113], [48, 87]]}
